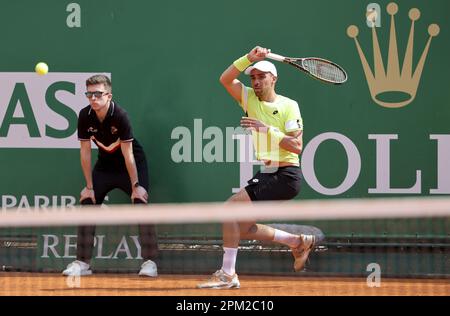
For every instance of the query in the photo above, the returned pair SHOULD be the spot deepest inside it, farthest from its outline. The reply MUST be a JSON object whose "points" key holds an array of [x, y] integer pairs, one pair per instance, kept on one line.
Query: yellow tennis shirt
{"points": [[282, 114]]}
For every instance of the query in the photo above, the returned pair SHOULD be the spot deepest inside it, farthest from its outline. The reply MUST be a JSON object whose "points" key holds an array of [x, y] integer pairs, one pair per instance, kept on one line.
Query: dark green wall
{"points": [[165, 59]]}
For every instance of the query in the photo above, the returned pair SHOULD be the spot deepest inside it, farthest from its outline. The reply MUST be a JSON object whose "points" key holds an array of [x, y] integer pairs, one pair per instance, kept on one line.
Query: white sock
{"points": [[285, 238], [229, 260]]}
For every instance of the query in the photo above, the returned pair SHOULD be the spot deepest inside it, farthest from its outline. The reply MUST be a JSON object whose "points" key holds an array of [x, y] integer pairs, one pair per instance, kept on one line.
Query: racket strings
{"points": [[324, 70]]}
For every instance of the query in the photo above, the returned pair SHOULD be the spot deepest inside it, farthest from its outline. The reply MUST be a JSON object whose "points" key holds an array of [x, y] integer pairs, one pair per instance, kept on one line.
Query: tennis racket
{"points": [[321, 69]]}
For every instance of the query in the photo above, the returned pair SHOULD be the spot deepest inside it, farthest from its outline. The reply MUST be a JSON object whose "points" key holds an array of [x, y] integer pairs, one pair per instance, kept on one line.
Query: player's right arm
{"points": [[229, 80], [85, 158], [229, 77]]}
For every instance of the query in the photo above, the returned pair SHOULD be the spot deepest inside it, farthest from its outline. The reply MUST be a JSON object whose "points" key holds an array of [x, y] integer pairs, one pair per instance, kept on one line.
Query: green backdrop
{"points": [[165, 59]]}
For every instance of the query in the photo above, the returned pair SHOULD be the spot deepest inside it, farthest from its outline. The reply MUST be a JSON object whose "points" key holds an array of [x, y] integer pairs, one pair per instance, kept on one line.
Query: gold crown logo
{"points": [[392, 80]]}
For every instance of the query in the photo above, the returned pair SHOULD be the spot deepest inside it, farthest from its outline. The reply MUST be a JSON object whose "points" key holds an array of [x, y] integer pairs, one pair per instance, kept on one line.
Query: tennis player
{"points": [[121, 164], [277, 128]]}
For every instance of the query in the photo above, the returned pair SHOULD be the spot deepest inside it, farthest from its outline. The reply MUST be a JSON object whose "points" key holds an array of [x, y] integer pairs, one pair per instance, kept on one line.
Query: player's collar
{"points": [[112, 106]]}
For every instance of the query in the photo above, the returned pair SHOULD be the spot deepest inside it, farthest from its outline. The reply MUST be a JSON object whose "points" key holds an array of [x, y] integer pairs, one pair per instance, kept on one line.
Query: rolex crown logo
{"points": [[382, 82]]}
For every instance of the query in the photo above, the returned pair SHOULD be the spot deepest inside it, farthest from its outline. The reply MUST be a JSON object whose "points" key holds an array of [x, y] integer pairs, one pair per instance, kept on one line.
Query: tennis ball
{"points": [[41, 68]]}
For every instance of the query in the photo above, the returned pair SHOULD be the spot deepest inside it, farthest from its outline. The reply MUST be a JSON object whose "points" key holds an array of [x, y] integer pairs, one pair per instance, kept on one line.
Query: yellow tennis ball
{"points": [[41, 68]]}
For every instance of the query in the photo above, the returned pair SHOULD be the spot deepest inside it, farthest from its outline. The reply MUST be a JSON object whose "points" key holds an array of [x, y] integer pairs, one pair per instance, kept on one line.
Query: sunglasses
{"points": [[97, 94]]}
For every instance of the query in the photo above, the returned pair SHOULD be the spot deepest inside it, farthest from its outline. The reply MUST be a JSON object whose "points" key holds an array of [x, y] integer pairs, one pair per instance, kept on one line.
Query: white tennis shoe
{"points": [[148, 268], [301, 252], [77, 268], [220, 280]]}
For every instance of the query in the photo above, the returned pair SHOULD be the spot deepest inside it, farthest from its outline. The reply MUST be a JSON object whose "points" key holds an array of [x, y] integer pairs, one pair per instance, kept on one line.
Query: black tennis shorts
{"points": [[283, 184]]}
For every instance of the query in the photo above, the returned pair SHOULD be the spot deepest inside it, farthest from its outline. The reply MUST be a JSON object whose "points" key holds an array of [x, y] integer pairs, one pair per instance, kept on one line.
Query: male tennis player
{"points": [[277, 129], [121, 164]]}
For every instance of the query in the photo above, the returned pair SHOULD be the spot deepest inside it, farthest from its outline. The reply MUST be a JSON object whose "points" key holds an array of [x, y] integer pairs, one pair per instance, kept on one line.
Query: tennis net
{"points": [[383, 246]]}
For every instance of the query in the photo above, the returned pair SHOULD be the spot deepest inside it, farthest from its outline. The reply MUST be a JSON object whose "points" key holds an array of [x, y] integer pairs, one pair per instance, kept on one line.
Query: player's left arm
{"points": [[293, 128], [293, 142]]}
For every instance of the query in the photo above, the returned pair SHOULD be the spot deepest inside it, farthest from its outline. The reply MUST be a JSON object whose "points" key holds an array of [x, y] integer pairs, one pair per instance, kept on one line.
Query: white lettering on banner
{"points": [[354, 163], [41, 111], [68, 245], [138, 247], [51, 244], [247, 159], [443, 169], [212, 151], [198, 144], [374, 278], [23, 204], [98, 241], [383, 168], [41, 200], [123, 247], [74, 18]]}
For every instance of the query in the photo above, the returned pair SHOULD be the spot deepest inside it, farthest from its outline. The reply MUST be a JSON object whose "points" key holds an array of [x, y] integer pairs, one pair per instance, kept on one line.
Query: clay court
{"points": [[45, 284]]}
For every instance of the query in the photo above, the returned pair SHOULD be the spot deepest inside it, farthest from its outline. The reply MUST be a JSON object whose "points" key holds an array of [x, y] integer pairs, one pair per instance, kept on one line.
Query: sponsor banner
{"points": [[41, 111]]}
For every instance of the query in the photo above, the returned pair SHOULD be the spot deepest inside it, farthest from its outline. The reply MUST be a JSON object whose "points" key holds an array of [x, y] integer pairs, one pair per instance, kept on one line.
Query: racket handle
{"points": [[276, 57]]}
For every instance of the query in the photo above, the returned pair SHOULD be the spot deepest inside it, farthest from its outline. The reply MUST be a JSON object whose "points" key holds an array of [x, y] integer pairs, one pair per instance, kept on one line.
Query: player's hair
{"points": [[99, 79]]}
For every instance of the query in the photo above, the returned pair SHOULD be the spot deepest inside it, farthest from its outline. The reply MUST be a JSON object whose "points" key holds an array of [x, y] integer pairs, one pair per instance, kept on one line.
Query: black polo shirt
{"points": [[108, 135]]}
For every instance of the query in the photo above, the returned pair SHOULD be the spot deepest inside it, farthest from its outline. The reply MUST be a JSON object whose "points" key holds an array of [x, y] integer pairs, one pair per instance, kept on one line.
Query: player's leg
{"points": [[230, 230], [85, 238], [147, 233], [148, 237], [261, 232], [226, 277], [265, 187], [86, 234], [283, 184], [301, 245]]}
